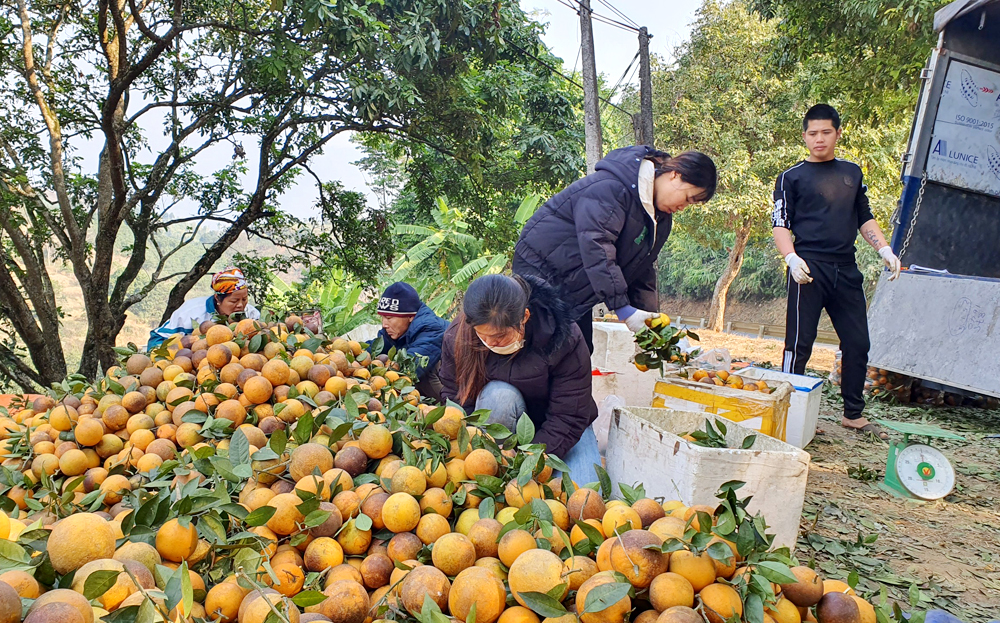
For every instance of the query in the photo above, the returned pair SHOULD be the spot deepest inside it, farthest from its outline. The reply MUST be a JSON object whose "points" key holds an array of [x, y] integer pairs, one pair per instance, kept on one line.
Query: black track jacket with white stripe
{"points": [[824, 204]]}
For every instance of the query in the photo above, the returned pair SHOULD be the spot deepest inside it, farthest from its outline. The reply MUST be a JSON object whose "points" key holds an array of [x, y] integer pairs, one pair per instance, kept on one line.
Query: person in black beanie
{"points": [[409, 324]]}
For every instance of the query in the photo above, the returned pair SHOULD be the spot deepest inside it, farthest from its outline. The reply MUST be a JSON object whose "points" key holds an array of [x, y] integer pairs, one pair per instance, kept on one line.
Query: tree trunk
{"points": [[717, 311], [103, 326], [31, 311], [97, 353], [15, 371]]}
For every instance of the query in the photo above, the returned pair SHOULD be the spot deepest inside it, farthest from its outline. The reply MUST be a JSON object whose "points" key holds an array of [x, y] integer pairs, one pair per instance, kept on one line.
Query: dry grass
{"points": [[948, 547]]}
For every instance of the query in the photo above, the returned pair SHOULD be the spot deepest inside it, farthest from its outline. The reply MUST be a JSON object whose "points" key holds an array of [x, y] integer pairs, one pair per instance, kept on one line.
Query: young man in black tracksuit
{"points": [[822, 201]]}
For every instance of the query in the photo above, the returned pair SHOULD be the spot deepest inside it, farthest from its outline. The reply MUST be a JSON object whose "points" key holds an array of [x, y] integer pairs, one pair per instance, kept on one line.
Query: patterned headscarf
{"points": [[229, 280]]}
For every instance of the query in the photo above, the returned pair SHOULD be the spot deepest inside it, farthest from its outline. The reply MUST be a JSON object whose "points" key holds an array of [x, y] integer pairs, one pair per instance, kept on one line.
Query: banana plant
{"points": [[336, 300], [447, 258], [338, 305]]}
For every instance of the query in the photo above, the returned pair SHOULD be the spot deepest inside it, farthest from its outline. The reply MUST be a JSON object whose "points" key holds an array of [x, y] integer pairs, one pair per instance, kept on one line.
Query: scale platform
{"points": [[914, 470]]}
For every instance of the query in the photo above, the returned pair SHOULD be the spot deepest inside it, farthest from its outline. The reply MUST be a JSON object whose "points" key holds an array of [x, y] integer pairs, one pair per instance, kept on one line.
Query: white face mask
{"points": [[509, 349]]}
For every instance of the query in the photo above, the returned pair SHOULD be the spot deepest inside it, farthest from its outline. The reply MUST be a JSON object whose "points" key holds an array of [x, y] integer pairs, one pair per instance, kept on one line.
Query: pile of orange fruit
{"points": [[257, 474], [722, 378]]}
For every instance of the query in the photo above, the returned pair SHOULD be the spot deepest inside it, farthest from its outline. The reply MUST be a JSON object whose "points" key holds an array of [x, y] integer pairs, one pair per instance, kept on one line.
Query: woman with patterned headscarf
{"points": [[230, 296]]}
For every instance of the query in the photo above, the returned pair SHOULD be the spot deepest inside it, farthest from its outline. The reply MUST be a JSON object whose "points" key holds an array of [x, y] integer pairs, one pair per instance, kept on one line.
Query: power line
{"points": [[614, 89], [615, 23], [600, 18], [632, 75], [565, 77], [622, 79], [595, 16], [619, 13], [579, 52]]}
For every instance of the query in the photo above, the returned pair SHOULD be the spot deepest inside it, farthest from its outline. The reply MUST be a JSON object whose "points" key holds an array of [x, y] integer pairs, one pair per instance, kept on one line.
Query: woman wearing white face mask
{"points": [[515, 348]]}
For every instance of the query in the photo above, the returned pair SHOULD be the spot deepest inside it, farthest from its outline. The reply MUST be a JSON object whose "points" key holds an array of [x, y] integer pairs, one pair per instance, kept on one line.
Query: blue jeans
{"points": [[506, 404]]}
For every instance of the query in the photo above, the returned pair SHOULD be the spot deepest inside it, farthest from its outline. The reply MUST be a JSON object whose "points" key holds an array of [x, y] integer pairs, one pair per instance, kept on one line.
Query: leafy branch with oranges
{"points": [[659, 344]]}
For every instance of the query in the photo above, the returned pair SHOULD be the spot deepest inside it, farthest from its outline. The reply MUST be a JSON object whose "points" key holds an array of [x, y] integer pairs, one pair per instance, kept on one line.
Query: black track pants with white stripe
{"points": [[839, 289]]}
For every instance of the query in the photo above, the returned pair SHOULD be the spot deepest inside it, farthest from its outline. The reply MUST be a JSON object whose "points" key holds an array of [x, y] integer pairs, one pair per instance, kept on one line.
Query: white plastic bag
{"points": [[715, 359], [602, 424], [838, 368]]}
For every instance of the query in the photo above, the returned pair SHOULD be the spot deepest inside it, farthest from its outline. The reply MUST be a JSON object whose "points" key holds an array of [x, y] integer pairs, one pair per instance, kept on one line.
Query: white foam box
{"points": [[803, 404], [616, 376], [364, 332], [614, 346], [645, 446], [762, 412]]}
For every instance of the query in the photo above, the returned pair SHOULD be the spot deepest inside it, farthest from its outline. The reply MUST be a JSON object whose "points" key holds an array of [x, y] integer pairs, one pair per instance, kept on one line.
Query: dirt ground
{"points": [[949, 549], [763, 351], [943, 554], [770, 311]]}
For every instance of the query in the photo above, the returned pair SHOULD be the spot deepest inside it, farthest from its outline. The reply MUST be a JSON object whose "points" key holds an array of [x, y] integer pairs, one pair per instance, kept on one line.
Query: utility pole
{"points": [[591, 96], [643, 122]]}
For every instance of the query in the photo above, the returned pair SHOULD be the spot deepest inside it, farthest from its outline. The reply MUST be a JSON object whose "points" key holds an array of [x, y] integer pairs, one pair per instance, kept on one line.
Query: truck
{"points": [[940, 320]]}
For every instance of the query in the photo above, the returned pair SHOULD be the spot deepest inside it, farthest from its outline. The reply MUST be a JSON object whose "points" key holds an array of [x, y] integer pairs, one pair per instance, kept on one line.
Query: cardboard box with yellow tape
{"points": [[763, 412]]}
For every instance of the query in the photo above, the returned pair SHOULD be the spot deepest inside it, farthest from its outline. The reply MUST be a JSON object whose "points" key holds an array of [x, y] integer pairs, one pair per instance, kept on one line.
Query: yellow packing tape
{"points": [[731, 408]]}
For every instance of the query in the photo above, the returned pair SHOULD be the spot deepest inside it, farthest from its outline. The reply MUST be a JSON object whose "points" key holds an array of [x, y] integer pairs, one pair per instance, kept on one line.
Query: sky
{"points": [[669, 24]]}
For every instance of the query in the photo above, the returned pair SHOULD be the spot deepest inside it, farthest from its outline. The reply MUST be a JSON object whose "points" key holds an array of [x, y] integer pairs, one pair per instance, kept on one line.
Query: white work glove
{"points": [[637, 321], [798, 268], [891, 261]]}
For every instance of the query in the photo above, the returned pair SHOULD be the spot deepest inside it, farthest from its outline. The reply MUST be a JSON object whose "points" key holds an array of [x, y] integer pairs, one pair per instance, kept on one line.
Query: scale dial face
{"points": [[925, 472]]}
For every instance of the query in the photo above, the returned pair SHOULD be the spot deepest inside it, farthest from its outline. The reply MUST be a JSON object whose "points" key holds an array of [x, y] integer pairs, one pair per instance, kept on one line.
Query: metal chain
{"points": [[916, 211]]}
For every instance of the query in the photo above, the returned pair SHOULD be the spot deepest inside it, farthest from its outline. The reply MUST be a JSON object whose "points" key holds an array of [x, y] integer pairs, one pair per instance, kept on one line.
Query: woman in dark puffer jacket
{"points": [[598, 239], [515, 349]]}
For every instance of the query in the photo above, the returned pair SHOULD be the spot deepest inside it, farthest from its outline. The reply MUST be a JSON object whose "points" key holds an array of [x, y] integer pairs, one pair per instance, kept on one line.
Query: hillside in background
{"points": [[685, 287], [688, 272], [146, 314]]}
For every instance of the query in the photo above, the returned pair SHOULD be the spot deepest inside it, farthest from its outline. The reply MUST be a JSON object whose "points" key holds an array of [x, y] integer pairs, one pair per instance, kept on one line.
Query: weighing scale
{"points": [[916, 470]]}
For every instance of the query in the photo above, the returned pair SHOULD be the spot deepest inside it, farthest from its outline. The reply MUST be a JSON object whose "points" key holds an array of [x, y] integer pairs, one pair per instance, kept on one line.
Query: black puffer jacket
{"points": [[594, 240], [552, 371]]}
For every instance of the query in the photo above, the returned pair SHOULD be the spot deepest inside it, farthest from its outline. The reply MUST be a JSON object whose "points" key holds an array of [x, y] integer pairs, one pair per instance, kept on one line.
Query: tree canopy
{"points": [[146, 115], [723, 98], [869, 52], [521, 134]]}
